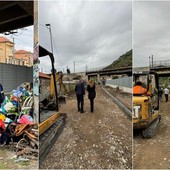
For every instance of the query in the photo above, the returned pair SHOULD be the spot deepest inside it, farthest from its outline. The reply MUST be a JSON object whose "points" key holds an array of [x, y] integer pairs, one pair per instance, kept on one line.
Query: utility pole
{"points": [[152, 61], [74, 64], [86, 68]]}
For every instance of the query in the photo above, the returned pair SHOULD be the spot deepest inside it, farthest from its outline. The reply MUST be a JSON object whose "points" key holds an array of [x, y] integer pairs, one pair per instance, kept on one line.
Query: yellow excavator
{"points": [[62, 88], [146, 115], [51, 121]]}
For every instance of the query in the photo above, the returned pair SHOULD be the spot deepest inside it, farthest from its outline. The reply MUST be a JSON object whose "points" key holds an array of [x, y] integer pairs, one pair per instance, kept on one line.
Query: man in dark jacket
{"points": [[80, 92], [2, 97]]}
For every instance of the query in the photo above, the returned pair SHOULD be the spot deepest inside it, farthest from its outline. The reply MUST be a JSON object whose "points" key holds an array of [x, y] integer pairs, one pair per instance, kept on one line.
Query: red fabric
{"points": [[2, 125], [14, 98], [24, 120]]}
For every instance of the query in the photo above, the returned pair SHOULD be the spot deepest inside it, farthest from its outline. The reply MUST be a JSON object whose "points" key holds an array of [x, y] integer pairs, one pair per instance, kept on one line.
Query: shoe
{"points": [[82, 111]]}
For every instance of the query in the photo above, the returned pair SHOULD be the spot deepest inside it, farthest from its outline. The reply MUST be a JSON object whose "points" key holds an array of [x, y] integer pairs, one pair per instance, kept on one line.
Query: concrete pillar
{"points": [[98, 77]]}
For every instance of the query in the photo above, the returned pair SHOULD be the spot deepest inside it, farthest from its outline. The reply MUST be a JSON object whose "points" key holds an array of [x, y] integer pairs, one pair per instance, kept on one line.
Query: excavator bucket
{"points": [[61, 99]]}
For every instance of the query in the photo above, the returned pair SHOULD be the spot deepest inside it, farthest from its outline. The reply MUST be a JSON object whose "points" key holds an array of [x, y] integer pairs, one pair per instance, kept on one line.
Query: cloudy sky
{"points": [[91, 33], [23, 39], [151, 31]]}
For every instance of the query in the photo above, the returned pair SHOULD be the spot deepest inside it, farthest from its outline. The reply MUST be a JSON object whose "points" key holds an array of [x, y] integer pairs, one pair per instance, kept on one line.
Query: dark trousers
{"points": [[160, 98], [80, 103], [91, 105], [166, 97], [3, 138]]}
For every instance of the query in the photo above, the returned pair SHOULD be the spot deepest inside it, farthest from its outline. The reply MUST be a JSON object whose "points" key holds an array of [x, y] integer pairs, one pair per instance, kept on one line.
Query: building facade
{"points": [[8, 54], [6, 50], [24, 58]]}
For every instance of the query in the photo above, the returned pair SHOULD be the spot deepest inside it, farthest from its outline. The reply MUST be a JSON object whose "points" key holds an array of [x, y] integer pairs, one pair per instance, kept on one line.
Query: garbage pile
{"points": [[17, 127]]}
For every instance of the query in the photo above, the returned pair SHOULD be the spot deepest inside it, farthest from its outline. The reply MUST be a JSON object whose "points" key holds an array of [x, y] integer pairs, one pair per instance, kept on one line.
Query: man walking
{"points": [[80, 92], [160, 94], [166, 94]]}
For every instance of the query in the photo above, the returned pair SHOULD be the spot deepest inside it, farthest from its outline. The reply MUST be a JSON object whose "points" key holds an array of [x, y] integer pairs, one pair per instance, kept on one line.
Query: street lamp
{"points": [[49, 27], [53, 69]]}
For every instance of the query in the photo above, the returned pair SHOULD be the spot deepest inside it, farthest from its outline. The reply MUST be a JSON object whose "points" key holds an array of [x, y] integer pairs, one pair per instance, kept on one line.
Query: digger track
{"points": [[120, 104], [150, 131], [48, 138]]}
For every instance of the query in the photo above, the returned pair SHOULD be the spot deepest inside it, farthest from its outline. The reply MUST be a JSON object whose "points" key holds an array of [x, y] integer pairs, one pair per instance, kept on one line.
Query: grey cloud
{"points": [[90, 33], [151, 31]]}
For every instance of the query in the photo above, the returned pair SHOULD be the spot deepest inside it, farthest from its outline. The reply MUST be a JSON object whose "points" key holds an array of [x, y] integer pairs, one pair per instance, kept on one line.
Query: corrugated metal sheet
{"points": [[12, 76]]}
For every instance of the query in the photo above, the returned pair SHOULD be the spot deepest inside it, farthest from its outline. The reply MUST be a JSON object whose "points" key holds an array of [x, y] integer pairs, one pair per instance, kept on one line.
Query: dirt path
{"points": [[154, 153], [125, 98], [93, 140]]}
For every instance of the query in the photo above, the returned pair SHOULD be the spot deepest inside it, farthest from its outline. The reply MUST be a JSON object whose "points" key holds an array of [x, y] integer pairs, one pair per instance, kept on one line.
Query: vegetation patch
{"points": [[124, 60]]}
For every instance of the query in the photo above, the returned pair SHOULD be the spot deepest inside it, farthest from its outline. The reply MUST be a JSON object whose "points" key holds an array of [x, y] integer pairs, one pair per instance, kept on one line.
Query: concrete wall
{"points": [[124, 84]]}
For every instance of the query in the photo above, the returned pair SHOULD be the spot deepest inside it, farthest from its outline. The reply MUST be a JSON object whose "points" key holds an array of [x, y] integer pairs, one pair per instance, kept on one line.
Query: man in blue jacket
{"points": [[80, 92]]}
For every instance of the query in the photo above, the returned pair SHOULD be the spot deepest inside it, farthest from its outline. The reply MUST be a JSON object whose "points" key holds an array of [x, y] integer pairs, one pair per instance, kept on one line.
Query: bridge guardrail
{"points": [[163, 63]]}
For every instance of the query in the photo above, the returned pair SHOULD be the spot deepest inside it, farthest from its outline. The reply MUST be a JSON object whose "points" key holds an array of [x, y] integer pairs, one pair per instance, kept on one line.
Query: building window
{"points": [[9, 61]]}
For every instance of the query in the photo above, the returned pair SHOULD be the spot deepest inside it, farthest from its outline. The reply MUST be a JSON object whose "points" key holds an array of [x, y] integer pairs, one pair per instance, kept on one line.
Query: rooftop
{"points": [[4, 39], [22, 52]]}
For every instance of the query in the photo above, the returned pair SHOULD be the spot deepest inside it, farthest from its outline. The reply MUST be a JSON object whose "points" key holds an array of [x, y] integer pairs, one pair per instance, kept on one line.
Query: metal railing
{"points": [[162, 63], [95, 69]]}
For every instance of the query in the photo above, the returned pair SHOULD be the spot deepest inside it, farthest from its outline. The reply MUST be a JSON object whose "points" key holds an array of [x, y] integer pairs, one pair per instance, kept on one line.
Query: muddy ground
{"points": [[102, 139], [154, 153]]}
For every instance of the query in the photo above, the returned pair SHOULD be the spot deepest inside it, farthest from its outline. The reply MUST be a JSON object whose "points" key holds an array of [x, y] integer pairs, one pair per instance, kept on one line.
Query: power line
{"points": [[23, 41], [57, 52], [43, 25]]}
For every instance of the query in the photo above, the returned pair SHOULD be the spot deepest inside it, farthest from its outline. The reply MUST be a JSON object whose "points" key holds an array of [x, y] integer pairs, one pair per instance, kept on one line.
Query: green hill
{"points": [[124, 60]]}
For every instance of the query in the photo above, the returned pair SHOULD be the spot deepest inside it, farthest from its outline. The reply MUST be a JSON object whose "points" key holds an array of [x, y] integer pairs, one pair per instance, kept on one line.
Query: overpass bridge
{"points": [[98, 72], [161, 67]]}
